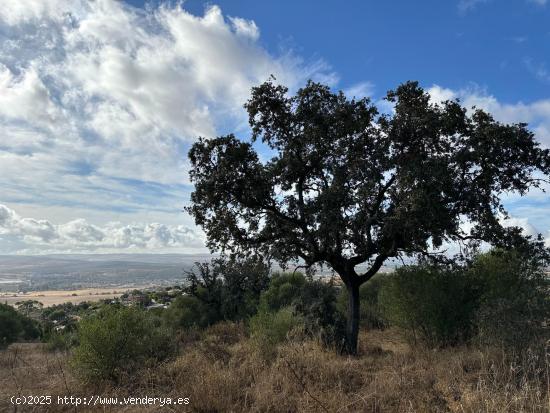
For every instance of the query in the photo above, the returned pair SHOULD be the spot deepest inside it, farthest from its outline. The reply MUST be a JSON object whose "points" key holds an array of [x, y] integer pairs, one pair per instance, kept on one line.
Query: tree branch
{"points": [[378, 262]]}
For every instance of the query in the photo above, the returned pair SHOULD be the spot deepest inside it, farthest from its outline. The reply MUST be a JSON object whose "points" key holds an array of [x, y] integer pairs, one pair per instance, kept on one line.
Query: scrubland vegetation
{"points": [[471, 338]]}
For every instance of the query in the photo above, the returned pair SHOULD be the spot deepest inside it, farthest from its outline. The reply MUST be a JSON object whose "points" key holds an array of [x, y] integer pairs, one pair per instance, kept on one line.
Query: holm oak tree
{"points": [[341, 184]]}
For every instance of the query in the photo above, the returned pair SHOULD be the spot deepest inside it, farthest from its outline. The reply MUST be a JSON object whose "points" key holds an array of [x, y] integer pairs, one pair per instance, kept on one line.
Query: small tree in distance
{"points": [[347, 185]]}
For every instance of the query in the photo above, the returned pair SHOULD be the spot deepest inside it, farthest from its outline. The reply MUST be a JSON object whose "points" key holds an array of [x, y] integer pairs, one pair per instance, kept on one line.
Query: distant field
{"points": [[53, 297]]}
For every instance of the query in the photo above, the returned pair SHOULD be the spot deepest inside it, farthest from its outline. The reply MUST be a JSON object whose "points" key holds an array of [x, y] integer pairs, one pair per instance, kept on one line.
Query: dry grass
{"points": [[54, 297], [223, 371]]}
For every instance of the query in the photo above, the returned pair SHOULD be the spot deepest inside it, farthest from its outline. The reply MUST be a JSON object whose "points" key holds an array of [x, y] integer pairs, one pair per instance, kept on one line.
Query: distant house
{"points": [[136, 298]]}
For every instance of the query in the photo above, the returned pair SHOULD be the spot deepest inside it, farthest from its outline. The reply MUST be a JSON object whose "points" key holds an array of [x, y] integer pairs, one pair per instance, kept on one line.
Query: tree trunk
{"points": [[352, 326]]}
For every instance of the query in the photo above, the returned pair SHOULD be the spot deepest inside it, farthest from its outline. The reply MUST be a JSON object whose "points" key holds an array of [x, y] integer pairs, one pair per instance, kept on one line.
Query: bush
{"points": [[283, 291], [436, 305], [268, 329], [312, 300], [117, 341], [317, 306], [187, 311], [501, 299], [10, 326], [229, 288], [514, 306], [15, 326], [61, 341]]}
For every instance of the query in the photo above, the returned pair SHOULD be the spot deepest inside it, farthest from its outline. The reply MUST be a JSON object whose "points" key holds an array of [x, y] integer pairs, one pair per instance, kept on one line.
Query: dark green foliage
{"points": [[29, 307], [59, 323], [316, 304], [228, 288], [57, 315], [346, 185], [117, 341], [514, 309], [502, 298], [436, 305], [313, 301], [284, 289], [61, 340], [187, 311], [10, 325], [30, 329], [15, 326]]}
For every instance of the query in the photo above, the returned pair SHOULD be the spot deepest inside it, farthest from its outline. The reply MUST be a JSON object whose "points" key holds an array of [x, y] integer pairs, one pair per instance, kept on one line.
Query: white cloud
{"points": [[246, 28], [539, 70], [26, 98], [536, 114], [25, 11], [534, 206], [39, 235], [523, 223], [465, 6], [360, 90], [527, 228], [130, 87], [100, 101]]}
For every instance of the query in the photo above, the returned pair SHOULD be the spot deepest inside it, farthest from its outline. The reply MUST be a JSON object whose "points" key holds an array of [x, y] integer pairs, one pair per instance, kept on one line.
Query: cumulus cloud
{"points": [[128, 87], [527, 228], [38, 235], [536, 114], [100, 101]]}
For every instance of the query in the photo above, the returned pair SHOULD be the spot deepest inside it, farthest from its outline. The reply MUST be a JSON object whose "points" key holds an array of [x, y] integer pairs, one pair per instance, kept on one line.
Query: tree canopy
{"points": [[345, 184]]}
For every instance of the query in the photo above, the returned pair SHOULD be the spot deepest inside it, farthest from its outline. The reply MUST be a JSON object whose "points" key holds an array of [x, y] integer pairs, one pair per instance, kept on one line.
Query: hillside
{"points": [[222, 371]]}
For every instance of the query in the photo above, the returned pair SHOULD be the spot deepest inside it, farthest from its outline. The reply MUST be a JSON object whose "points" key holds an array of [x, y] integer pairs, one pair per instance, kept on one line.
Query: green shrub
{"points": [[29, 307], [284, 289], [317, 306], [15, 326], [10, 325], [268, 329], [61, 341], [436, 305], [313, 301], [117, 341], [501, 299], [229, 288], [514, 307], [187, 311]]}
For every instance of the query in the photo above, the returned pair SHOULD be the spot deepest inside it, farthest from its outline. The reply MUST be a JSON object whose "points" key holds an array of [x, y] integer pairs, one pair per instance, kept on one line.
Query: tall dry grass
{"points": [[222, 370]]}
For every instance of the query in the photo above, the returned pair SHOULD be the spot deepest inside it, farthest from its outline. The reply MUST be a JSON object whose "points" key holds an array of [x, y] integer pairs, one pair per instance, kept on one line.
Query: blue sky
{"points": [[499, 45], [100, 101]]}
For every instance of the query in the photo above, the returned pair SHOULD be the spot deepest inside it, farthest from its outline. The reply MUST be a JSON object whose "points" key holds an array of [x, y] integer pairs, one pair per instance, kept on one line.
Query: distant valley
{"points": [[19, 273], [72, 272]]}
